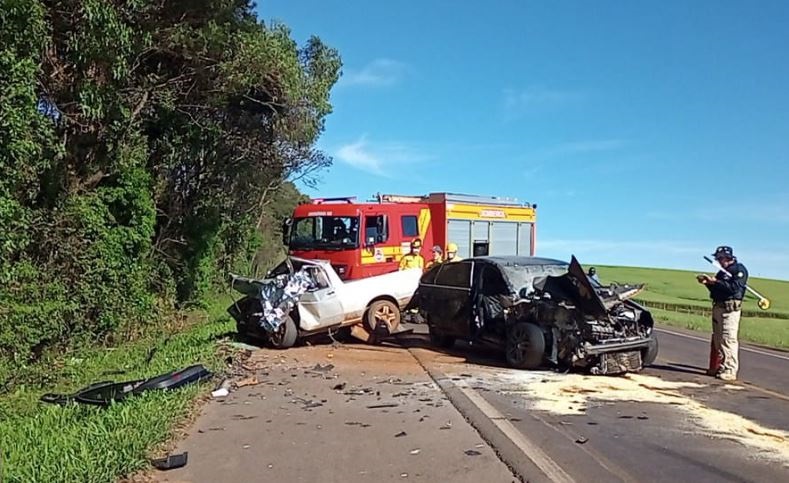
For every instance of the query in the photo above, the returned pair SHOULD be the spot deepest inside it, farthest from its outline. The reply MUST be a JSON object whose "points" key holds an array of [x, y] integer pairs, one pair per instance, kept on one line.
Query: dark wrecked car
{"points": [[538, 311]]}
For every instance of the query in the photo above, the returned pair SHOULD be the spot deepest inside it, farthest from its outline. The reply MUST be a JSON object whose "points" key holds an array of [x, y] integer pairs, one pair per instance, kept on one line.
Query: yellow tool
{"points": [[763, 303]]}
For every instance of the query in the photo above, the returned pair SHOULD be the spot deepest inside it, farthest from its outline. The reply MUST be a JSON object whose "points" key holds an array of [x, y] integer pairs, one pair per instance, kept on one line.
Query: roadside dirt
{"points": [[334, 413]]}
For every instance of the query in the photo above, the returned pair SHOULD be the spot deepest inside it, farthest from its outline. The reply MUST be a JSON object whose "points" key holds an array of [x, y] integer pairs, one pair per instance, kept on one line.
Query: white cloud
{"points": [[378, 73], [381, 159]]}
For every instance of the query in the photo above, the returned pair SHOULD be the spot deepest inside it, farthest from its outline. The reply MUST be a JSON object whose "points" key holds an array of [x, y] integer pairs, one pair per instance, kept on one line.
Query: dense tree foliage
{"points": [[145, 149]]}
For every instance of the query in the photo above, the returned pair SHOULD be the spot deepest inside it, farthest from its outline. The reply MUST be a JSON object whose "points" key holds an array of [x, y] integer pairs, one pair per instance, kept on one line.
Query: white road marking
{"points": [[548, 466], [747, 349]]}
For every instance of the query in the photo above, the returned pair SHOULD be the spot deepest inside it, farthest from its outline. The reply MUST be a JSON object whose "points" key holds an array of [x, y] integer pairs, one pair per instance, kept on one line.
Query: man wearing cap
{"points": [[413, 259], [726, 291], [438, 258]]}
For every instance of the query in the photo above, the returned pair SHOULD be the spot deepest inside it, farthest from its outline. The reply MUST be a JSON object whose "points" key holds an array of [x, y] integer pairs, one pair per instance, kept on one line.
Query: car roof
{"points": [[510, 261]]}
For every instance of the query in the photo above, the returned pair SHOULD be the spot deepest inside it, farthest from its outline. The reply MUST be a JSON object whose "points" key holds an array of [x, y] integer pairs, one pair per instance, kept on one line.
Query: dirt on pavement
{"points": [[335, 414]]}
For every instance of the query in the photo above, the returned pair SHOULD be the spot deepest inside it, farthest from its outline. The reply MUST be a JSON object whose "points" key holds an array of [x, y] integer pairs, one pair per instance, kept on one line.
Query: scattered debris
{"points": [[356, 423], [472, 452], [401, 434], [403, 475], [339, 387], [382, 406], [447, 426], [416, 451], [220, 393], [320, 368], [171, 462], [247, 446], [104, 393], [643, 418], [248, 381], [582, 440]]}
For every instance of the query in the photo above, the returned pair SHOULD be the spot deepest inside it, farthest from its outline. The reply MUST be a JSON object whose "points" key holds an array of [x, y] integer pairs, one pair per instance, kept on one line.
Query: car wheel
{"points": [[649, 354], [383, 314], [525, 346], [285, 336], [441, 340]]}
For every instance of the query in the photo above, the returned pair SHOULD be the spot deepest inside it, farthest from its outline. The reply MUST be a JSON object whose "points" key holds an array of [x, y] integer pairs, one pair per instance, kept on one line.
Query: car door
{"points": [[321, 306], [451, 307]]}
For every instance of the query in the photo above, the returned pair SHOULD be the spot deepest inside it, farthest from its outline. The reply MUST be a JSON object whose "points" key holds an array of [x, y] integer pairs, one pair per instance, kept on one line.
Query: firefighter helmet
{"points": [[452, 248]]}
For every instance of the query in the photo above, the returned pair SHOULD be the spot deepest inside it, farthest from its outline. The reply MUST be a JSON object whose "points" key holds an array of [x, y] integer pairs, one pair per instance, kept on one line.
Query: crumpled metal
{"points": [[280, 295]]}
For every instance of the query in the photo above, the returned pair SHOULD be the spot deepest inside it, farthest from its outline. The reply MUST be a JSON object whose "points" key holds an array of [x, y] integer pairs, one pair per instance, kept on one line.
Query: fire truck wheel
{"points": [[286, 335], [383, 316]]}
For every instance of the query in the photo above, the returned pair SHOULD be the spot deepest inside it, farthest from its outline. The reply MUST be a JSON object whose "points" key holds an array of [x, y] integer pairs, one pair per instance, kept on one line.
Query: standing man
{"points": [[452, 253], [413, 259], [727, 290], [592, 274], [438, 258]]}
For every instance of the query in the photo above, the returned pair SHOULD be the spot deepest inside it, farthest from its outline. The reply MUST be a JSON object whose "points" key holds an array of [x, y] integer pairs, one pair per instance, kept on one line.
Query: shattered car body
{"points": [[303, 297], [538, 311]]}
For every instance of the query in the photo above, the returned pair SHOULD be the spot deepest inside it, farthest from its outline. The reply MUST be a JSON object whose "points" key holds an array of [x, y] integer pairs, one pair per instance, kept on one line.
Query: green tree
{"points": [[143, 151]]}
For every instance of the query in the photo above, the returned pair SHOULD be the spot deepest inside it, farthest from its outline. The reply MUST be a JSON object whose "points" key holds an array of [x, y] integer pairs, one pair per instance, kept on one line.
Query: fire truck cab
{"points": [[366, 239]]}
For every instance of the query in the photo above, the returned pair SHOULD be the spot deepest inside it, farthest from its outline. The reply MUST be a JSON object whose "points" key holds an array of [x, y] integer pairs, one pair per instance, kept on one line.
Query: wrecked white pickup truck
{"points": [[303, 297]]}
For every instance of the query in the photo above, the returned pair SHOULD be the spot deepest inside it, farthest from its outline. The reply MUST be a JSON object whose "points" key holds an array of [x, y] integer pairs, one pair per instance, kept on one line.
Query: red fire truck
{"points": [[366, 239]]}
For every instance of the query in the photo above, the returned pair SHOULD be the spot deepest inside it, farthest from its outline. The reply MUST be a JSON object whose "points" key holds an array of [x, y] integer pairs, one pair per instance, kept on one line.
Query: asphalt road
{"points": [[469, 418]]}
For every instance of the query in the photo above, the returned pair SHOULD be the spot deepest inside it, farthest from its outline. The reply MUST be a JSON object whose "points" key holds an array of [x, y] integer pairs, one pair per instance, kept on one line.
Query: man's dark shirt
{"points": [[729, 288]]}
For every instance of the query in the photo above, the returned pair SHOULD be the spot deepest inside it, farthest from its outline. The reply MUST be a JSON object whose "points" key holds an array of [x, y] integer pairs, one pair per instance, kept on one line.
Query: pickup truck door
{"points": [[320, 307]]}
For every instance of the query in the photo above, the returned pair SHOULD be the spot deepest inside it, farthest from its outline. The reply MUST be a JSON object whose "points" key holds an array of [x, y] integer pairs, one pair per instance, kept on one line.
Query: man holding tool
{"points": [[727, 290]]}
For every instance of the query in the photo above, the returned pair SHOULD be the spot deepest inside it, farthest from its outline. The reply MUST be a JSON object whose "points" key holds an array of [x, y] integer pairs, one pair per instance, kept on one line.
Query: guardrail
{"points": [[707, 311]]}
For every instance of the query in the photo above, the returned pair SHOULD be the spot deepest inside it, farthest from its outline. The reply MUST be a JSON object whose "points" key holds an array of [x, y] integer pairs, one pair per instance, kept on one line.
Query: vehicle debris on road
{"points": [[106, 392]]}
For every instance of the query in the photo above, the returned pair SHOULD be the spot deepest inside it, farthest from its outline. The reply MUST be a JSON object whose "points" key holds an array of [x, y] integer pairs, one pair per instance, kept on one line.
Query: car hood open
{"points": [[574, 285]]}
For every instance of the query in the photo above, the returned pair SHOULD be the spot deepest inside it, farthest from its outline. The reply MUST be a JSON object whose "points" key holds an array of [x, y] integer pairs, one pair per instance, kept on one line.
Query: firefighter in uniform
{"points": [[452, 253], [413, 259], [726, 291], [438, 258]]}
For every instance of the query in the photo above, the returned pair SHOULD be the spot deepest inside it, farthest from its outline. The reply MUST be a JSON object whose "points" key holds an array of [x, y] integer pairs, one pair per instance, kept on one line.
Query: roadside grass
{"points": [[768, 332], [680, 287], [44, 442]]}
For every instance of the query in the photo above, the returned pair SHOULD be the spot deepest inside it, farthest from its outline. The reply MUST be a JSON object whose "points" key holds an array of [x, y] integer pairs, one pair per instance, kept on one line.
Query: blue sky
{"points": [[647, 132]]}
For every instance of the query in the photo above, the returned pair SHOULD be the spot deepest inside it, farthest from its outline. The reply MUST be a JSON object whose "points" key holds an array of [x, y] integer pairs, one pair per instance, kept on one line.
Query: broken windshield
{"points": [[325, 233], [522, 276]]}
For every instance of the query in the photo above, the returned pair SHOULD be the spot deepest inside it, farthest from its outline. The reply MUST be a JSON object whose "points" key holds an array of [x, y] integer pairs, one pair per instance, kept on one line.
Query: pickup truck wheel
{"points": [[525, 345], [649, 354], [286, 335], [384, 314]]}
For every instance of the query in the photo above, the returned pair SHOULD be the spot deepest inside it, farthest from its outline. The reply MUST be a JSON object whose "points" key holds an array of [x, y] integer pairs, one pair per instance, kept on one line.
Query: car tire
{"points": [[286, 335], [441, 340], [650, 352], [383, 312], [525, 345]]}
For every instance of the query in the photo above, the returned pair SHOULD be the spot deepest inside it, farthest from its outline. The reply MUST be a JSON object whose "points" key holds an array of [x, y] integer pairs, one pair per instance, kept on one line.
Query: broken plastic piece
{"points": [[104, 393], [171, 462], [222, 392]]}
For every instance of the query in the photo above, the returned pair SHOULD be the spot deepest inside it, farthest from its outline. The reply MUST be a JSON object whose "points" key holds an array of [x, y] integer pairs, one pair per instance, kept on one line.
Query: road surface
{"points": [[466, 417]]}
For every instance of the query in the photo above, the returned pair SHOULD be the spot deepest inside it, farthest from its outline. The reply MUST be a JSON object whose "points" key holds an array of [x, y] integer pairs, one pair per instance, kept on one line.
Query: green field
{"points": [[685, 303]]}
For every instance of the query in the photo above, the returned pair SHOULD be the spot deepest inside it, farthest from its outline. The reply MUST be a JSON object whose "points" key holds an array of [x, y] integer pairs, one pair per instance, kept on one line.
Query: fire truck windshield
{"points": [[325, 233]]}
